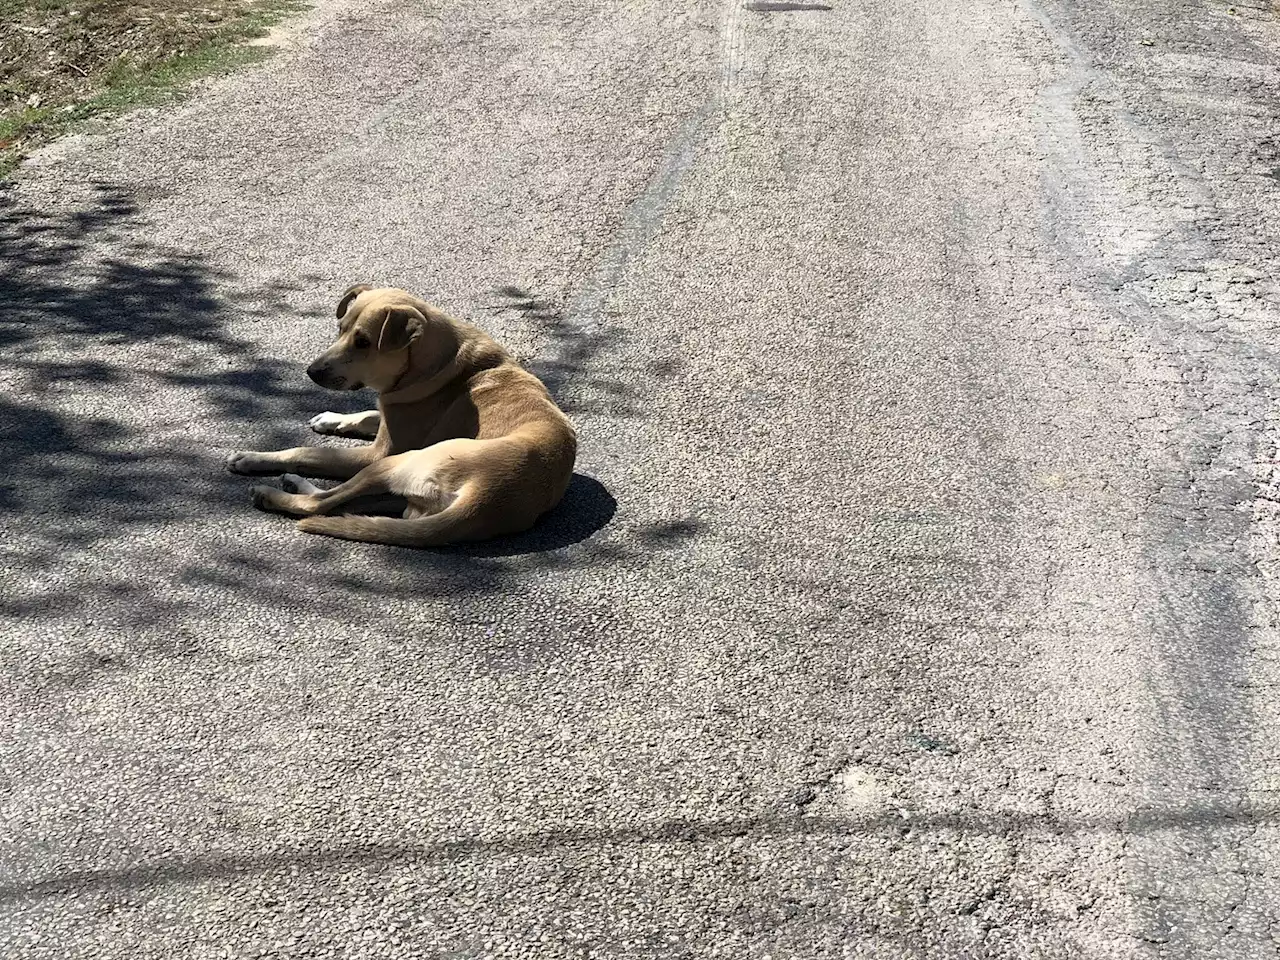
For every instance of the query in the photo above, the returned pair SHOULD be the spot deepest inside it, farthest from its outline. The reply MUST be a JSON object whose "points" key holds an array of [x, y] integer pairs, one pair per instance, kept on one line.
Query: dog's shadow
{"points": [[586, 508]]}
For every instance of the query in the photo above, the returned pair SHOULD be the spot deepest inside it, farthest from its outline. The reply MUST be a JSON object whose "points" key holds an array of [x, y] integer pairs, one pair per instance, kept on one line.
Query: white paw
{"points": [[328, 422], [292, 483]]}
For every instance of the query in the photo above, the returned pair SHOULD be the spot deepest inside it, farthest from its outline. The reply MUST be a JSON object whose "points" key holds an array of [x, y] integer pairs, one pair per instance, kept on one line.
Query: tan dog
{"points": [[469, 438]]}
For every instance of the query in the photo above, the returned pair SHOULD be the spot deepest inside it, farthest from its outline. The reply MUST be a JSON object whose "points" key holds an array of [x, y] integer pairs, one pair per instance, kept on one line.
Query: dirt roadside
{"points": [[62, 63]]}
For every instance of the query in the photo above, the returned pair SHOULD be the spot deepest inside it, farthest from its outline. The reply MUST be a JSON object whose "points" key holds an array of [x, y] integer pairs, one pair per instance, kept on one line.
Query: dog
{"points": [[468, 438]]}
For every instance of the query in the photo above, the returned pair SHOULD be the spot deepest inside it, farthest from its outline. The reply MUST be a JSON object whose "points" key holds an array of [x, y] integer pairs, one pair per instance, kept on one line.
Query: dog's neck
{"points": [[423, 387], [472, 352]]}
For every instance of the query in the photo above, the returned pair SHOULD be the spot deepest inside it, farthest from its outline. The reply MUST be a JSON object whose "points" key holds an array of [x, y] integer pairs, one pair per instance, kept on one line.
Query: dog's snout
{"points": [[323, 373]]}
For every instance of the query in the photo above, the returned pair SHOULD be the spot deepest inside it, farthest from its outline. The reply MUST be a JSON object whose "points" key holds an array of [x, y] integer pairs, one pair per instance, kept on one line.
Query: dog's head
{"points": [[376, 328]]}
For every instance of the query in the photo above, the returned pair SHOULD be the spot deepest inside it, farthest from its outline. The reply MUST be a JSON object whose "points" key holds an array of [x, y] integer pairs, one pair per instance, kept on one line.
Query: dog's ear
{"points": [[401, 325], [351, 294]]}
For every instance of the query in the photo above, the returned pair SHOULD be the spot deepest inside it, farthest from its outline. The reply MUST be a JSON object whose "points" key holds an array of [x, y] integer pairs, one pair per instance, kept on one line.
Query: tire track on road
{"points": [[1137, 218]]}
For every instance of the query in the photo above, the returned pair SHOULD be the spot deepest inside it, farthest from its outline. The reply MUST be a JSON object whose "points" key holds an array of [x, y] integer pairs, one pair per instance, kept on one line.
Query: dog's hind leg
{"points": [[310, 499], [363, 426]]}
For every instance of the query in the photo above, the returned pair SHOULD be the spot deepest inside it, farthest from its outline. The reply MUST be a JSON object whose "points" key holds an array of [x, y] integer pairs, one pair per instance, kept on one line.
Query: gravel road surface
{"points": [[916, 594]]}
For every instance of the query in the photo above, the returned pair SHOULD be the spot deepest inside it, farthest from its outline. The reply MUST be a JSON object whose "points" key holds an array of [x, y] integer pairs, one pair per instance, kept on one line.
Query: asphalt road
{"points": [[916, 597]]}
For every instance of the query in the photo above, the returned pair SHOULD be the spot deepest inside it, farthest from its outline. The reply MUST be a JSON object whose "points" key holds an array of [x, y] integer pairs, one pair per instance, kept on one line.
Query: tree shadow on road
{"points": [[569, 365], [97, 323]]}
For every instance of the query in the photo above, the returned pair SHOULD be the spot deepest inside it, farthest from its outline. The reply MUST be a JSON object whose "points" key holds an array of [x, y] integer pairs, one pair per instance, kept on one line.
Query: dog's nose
{"points": [[318, 372]]}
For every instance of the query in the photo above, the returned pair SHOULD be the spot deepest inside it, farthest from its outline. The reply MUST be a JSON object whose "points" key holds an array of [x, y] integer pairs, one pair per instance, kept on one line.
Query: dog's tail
{"points": [[454, 524]]}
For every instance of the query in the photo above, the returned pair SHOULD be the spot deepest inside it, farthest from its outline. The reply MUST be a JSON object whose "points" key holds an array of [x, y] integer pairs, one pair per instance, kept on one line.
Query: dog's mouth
{"points": [[332, 382]]}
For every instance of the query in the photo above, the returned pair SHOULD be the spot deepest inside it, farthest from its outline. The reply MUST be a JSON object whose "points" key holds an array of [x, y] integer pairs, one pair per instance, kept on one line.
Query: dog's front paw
{"points": [[328, 423], [248, 462]]}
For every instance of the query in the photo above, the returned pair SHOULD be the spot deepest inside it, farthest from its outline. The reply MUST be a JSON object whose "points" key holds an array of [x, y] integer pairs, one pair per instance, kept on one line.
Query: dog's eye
{"points": [[361, 342]]}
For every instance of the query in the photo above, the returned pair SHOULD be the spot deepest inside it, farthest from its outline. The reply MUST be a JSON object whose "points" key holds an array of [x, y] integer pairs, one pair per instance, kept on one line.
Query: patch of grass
{"points": [[61, 63]]}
